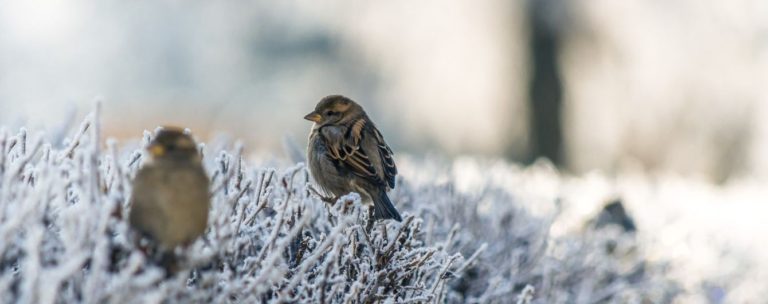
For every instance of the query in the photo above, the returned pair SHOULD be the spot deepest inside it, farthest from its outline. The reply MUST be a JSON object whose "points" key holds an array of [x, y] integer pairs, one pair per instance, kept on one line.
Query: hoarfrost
{"points": [[64, 239]]}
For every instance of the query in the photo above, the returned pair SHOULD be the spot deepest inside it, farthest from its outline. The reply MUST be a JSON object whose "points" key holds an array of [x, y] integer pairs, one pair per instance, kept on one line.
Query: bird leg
{"points": [[371, 220], [169, 262], [329, 200]]}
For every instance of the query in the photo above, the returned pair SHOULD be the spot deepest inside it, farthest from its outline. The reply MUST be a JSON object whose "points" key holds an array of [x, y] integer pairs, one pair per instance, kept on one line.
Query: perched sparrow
{"points": [[170, 200], [347, 153]]}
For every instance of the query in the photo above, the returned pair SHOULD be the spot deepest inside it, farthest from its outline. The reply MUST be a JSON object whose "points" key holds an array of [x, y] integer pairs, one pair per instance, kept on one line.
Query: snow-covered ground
{"points": [[476, 231], [712, 238]]}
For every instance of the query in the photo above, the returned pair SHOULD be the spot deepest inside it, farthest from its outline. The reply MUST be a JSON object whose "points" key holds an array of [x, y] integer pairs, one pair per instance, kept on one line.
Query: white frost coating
{"points": [[64, 238]]}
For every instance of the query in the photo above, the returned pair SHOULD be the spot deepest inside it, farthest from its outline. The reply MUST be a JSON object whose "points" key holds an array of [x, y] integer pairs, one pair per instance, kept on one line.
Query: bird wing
{"points": [[146, 215], [387, 159], [361, 148]]}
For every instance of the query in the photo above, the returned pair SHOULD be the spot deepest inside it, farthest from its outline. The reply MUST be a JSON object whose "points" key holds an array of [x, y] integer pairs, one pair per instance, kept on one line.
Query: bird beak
{"points": [[313, 117], [156, 150]]}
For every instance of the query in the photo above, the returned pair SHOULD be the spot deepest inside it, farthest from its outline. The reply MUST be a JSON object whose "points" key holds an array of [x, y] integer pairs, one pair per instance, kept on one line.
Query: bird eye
{"points": [[331, 113]]}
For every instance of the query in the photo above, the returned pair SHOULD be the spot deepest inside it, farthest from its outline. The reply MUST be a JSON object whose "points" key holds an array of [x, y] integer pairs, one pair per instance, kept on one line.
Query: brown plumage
{"points": [[346, 153], [170, 202]]}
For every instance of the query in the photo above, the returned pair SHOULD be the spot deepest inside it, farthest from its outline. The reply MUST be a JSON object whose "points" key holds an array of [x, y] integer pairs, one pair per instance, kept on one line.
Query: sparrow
{"points": [[347, 153], [170, 202]]}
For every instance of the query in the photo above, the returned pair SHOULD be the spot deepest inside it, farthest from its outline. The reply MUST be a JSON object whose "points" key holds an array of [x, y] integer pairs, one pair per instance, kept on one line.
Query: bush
{"points": [[65, 239]]}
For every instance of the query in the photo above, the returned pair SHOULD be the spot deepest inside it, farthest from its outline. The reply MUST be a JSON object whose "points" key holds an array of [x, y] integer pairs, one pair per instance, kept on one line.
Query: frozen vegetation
{"points": [[474, 231]]}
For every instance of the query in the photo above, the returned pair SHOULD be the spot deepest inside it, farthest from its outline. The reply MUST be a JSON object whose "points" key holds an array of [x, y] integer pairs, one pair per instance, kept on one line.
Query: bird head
{"points": [[171, 143], [335, 109]]}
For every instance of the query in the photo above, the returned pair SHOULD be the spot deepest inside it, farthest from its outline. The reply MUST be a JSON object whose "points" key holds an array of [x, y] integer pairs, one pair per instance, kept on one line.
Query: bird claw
{"points": [[329, 200]]}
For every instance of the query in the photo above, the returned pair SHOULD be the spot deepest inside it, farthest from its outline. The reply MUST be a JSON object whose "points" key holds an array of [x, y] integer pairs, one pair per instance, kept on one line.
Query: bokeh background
{"points": [[660, 103], [673, 86]]}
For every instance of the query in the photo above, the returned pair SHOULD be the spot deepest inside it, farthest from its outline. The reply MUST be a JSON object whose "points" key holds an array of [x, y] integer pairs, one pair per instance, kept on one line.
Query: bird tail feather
{"points": [[383, 208]]}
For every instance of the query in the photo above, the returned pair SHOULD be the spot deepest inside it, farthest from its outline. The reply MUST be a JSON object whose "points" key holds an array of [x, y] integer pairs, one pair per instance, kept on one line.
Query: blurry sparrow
{"points": [[170, 200], [347, 153]]}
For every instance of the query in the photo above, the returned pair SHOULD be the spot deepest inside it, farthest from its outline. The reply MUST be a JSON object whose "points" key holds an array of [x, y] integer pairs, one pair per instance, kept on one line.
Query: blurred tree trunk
{"points": [[545, 91]]}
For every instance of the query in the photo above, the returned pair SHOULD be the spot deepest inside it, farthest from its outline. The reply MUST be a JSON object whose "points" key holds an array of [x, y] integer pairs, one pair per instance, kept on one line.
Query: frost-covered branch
{"points": [[64, 238]]}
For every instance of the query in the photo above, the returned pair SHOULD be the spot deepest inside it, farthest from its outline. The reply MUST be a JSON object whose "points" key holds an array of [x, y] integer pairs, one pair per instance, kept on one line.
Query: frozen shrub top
{"points": [[64, 239]]}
